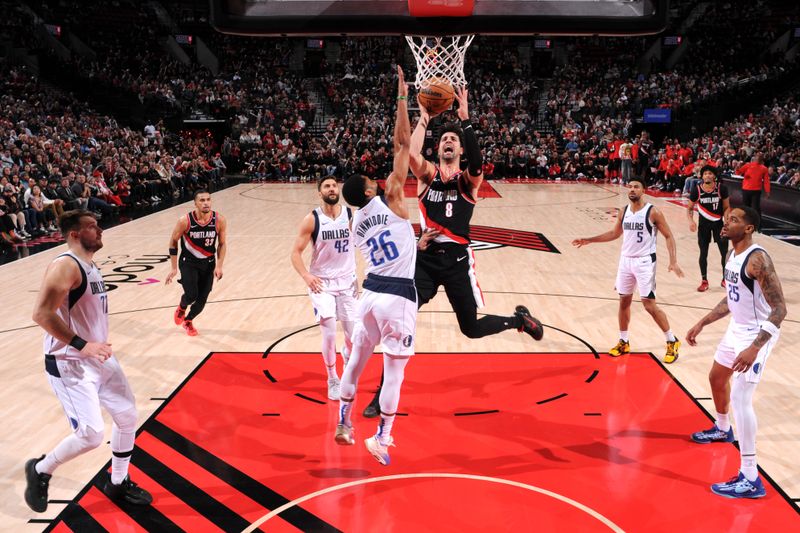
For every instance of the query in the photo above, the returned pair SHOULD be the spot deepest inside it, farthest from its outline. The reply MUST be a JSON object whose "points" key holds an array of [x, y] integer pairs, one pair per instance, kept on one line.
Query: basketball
{"points": [[437, 95]]}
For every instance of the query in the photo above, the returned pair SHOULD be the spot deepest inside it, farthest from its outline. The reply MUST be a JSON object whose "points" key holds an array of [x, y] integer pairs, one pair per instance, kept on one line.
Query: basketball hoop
{"points": [[439, 58]]}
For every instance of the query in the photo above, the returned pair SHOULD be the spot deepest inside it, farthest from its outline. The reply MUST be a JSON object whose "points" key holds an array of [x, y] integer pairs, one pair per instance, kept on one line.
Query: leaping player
{"points": [[447, 197]]}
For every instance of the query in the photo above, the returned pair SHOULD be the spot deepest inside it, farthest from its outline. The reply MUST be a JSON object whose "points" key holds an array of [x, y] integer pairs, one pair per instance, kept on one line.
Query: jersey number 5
{"points": [[387, 247]]}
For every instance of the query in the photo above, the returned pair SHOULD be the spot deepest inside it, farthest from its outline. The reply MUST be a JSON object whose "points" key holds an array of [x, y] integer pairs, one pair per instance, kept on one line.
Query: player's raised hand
{"points": [[97, 350], [463, 107], [402, 88], [691, 335]]}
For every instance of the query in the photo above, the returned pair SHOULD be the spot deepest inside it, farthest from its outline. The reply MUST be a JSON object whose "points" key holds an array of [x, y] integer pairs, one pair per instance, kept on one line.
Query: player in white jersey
{"points": [[387, 309], [72, 308], [331, 276], [757, 307], [638, 224]]}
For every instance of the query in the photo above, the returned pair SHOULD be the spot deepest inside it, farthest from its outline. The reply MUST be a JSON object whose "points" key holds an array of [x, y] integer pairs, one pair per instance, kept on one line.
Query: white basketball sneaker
{"points": [[378, 450], [344, 435]]}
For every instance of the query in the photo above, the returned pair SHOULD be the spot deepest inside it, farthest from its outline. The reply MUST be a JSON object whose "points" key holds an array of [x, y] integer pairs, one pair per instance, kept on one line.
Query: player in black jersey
{"points": [[202, 233], [447, 196], [712, 203]]}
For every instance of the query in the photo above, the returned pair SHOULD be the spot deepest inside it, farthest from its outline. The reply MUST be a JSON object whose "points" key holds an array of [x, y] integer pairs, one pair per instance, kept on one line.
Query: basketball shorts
{"points": [[337, 300], [387, 319], [637, 271], [83, 386], [451, 266], [736, 339]]}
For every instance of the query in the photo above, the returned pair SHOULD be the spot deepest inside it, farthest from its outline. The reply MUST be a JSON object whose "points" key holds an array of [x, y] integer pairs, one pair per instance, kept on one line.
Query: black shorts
{"points": [[708, 231], [451, 266]]}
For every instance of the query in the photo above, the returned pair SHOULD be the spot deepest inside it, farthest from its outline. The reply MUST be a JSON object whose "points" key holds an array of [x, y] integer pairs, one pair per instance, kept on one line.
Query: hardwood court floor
{"points": [[261, 299]]}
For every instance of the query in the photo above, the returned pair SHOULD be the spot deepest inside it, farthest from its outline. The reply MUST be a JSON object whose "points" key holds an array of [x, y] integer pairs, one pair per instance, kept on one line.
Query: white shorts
{"points": [[338, 303], [637, 271], [387, 319], [84, 385], [736, 339]]}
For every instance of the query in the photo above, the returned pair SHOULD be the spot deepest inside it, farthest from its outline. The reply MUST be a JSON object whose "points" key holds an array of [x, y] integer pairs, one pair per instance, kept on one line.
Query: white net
{"points": [[439, 58]]}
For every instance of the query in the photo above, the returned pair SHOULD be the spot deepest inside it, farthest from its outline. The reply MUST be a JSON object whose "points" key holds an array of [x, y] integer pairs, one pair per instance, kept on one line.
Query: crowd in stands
{"points": [[56, 153], [578, 124]]}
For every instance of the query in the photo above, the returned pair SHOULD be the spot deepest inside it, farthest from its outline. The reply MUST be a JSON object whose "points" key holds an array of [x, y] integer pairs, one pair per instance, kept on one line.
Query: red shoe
{"points": [[723, 283], [180, 313], [187, 325], [703, 286]]}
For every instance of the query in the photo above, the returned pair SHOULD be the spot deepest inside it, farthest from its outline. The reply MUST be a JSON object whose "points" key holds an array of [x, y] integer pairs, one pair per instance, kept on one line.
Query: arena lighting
{"points": [[439, 17]]}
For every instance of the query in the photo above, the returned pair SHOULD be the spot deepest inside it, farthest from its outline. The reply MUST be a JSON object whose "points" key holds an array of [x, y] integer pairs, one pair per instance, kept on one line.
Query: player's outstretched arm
{"points": [[222, 246], [471, 148], [721, 310], [661, 225], [61, 277], [396, 182], [422, 169], [610, 235], [180, 228], [300, 244]]}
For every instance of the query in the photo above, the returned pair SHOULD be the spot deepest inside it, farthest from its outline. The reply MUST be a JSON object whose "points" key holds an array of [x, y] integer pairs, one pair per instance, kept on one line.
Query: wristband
{"points": [[466, 124], [173, 251], [770, 328], [77, 343], [401, 97]]}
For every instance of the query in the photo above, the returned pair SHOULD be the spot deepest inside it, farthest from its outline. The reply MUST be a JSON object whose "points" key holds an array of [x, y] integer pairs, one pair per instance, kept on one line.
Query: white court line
{"points": [[591, 512]]}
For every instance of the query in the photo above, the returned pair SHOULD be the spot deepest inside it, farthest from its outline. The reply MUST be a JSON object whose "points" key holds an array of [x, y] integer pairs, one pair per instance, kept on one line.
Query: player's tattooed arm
{"points": [[721, 310], [761, 268]]}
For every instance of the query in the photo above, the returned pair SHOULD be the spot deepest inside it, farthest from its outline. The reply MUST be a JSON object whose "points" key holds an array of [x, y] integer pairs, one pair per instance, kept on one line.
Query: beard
{"points": [[331, 200], [92, 246]]}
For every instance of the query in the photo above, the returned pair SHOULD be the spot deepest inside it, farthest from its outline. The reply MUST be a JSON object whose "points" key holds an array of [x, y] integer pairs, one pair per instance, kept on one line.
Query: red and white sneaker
{"points": [[180, 314], [703, 286], [187, 325]]}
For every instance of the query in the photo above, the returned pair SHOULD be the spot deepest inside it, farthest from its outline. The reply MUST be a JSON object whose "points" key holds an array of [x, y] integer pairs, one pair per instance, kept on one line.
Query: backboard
{"points": [[439, 17]]}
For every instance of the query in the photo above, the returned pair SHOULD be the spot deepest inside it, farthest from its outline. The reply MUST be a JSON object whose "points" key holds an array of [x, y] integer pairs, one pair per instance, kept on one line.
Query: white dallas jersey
{"points": [[386, 240], [332, 257], [638, 233], [84, 311], [745, 299]]}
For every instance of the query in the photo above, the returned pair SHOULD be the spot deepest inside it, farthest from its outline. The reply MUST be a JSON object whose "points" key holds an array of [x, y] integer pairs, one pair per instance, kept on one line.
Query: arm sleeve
{"points": [[473, 151]]}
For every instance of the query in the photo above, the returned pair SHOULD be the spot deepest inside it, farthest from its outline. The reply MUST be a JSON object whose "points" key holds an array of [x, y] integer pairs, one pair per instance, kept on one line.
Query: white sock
{"points": [[746, 423], [332, 371], [723, 422], [123, 434], [749, 467], [328, 328], [345, 409], [623, 335], [393, 375], [669, 336], [69, 448], [385, 429], [359, 358]]}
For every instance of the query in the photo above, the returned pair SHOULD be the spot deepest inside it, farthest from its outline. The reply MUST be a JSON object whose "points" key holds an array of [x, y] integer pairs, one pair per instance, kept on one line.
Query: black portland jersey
{"points": [[200, 240], [447, 207], [709, 204]]}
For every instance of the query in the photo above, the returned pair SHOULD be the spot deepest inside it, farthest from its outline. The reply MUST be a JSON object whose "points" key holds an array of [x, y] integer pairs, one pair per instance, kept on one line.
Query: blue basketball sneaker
{"points": [[740, 487], [713, 435]]}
